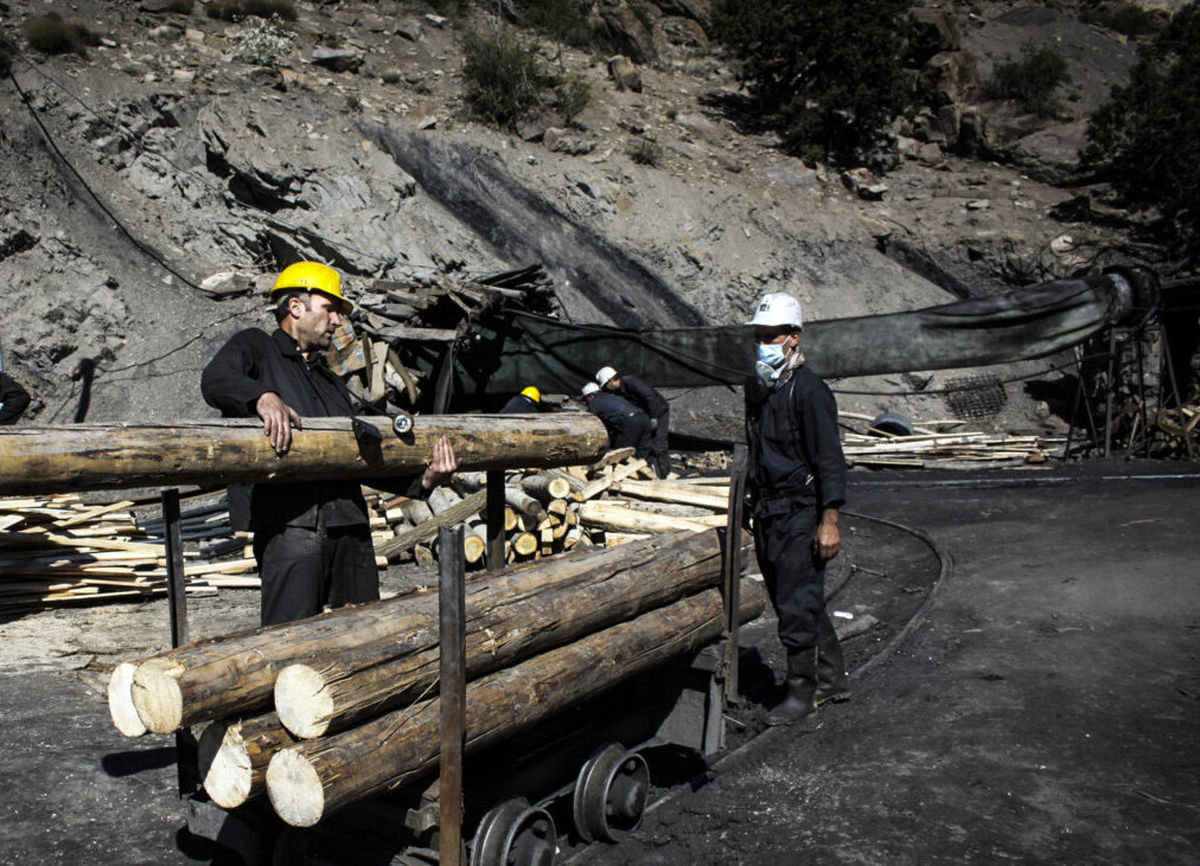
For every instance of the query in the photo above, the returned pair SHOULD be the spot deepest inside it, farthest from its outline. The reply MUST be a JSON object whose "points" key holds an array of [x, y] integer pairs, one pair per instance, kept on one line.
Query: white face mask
{"points": [[771, 354]]}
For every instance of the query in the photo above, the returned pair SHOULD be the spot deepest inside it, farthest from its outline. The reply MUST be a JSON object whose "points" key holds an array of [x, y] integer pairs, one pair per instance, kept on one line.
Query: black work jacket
{"points": [[795, 454], [13, 399], [617, 413], [253, 363], [639, 393], [519, 404]]}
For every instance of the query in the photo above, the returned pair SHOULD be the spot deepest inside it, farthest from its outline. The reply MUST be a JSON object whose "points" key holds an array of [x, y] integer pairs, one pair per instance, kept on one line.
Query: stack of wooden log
{"points": [[59, 550], [948, 450], [326, 711], [550, 511]]}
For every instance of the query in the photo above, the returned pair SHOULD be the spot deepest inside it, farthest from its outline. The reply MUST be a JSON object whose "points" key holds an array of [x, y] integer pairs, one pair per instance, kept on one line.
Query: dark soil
{"points": [[1041, 706]]}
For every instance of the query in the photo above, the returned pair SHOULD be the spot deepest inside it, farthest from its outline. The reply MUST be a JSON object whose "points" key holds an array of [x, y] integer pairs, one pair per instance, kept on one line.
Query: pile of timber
{"points": [[948, 450], [548, 511], [329, 710], [58, 550]]}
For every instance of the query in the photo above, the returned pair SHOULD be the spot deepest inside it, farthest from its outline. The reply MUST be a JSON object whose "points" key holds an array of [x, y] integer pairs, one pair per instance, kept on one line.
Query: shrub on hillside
{"points": [[503, 79], [561, 20], [1033, 80], [1123, 17], [826, 74], [265, 44], [54, 34], [1146, 137]]}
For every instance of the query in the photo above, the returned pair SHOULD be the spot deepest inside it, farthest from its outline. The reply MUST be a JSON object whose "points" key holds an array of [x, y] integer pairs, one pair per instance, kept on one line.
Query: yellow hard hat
{"points": [[532, 393], [312, 277]]}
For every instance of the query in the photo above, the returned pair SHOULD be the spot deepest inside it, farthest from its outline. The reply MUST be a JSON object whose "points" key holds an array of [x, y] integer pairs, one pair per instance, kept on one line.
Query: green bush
{"points": [[1033, 80], [503, 79], [265, 44], [1146, 137], [1127, 18], [54, 34], [573, 94], [646, 151], [561, 20], [236, 10], [826, 74]]}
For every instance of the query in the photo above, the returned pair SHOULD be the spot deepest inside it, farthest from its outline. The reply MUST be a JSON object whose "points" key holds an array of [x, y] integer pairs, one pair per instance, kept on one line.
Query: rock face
{"points": [[193, 176]]}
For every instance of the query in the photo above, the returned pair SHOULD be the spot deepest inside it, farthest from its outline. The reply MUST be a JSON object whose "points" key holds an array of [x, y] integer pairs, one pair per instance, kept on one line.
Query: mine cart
{"points": [[580, 770]]}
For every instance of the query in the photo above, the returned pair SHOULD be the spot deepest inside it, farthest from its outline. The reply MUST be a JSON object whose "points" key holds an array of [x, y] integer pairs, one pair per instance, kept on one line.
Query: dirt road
{"points": [[1044, 709]]}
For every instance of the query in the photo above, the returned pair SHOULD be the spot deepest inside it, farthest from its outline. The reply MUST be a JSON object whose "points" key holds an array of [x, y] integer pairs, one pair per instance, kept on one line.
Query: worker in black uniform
{"points": [[796, 481], [311, 538], [14, 399], [528, 402], [637, 391], [627, 425]]}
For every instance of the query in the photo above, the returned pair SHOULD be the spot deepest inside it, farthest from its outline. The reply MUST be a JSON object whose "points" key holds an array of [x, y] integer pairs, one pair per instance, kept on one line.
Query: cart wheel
{"points": [[610, 794], [515, 834], [403, 423]]}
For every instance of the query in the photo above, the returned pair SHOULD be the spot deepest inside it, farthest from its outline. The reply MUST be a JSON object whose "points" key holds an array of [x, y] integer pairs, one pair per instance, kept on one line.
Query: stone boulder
{"points": [[621, 28]]}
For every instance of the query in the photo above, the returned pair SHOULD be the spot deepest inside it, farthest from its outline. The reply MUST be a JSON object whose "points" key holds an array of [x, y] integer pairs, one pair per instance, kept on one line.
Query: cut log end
{"points": [[157, 698], [225, 765], [302, 701], [120, 701], [295, 789]]}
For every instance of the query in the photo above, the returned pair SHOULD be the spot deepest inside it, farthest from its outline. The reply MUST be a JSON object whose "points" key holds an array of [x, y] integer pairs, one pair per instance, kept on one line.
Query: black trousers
{"points": [[633, 433], [793, 572], [303, 570], [658, 445]]}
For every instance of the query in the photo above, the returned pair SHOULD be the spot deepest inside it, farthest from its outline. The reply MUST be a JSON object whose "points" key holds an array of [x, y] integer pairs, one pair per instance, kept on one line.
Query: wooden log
{"points": [[523, 503], [108, 456], [665, 491], [233, 755], [234, 675], [525, 543], [618, 518], [120, 701], [525, 612], [545, 488], [315, 777], [594, 488], [425, 532]]}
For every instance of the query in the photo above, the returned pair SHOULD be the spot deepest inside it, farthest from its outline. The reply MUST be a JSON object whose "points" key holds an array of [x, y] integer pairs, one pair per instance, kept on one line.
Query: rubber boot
{"points": [[832, 682], [800, 702]]}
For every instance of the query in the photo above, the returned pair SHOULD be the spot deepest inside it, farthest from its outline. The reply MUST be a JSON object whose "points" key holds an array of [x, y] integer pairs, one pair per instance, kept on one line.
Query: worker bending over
{"points": [[637, 391], [627, 425]]}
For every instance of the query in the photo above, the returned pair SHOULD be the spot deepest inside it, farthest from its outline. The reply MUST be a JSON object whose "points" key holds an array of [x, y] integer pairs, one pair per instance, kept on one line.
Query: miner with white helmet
{"points": [[627, 425], [640, 393], [312, 539], [796, 481]]}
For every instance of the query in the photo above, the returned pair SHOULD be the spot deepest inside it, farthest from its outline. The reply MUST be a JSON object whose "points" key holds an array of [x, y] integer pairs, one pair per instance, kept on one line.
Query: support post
{"points": [[186, 758], [452, 639], [732, 568], [495, 519]]}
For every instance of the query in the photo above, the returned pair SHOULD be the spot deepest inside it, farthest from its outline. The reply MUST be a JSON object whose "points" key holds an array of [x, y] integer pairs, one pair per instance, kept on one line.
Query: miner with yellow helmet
{"points": [[528, 402], [312, 539]]}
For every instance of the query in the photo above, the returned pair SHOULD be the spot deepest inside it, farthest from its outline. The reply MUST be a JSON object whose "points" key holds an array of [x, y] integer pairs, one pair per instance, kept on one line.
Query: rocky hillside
{"points": [[152, 187]]}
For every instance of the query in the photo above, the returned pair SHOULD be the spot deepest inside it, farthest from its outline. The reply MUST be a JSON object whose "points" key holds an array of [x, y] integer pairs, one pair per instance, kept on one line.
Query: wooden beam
{"points": [[107, 456]]}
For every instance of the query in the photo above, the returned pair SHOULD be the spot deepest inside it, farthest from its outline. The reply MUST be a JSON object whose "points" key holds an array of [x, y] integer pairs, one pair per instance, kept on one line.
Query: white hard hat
{"points": [[590, 388], [776, 310], [604, 374]]}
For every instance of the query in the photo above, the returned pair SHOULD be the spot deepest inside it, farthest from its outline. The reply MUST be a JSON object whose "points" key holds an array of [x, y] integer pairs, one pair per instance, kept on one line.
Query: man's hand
{"points": [[828, 540], [444, 464], [278, 420]]}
